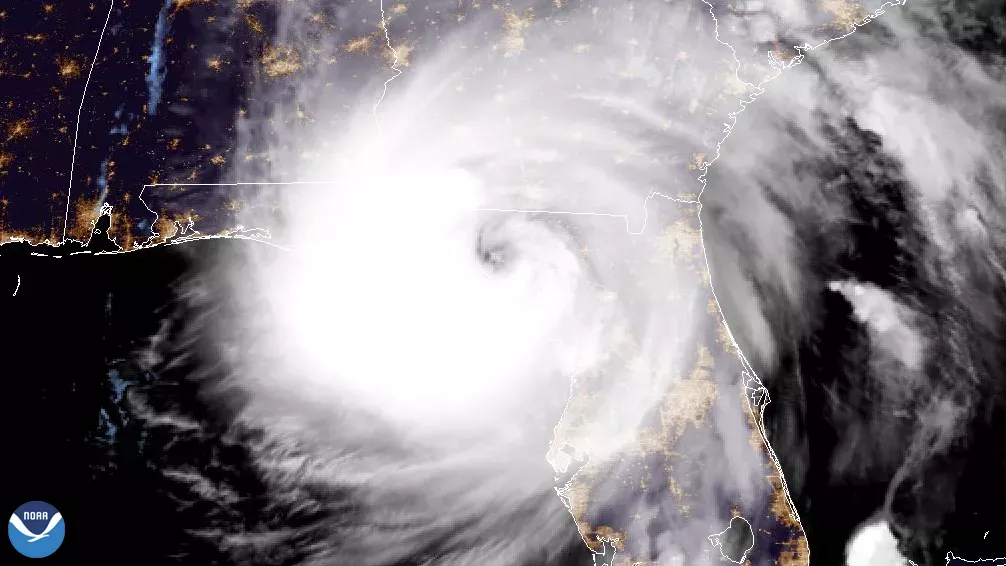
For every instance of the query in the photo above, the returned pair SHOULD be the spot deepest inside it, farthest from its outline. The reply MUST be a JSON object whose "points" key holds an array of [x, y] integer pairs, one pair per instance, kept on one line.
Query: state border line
{"points": [[80, 110]]}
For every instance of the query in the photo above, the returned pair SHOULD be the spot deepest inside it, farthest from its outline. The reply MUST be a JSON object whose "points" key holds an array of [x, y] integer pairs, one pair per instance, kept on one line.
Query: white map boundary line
{"points": [[377, 122], [624, 217], [394, 67], [951, 555], [758, 386], [80, 110]]}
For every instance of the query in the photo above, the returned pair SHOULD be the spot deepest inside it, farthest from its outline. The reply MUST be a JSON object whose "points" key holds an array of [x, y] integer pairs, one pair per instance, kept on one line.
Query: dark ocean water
{"points": [[80, 320], [96, 434]]}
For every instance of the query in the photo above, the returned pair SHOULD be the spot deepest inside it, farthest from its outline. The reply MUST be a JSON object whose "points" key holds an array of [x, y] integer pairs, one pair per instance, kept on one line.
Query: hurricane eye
{"points": [[495, 258], [492, 253]]}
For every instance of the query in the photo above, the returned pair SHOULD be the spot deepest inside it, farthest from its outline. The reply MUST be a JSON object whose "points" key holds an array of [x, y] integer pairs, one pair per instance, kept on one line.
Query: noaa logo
{"points": [[36, 529]]}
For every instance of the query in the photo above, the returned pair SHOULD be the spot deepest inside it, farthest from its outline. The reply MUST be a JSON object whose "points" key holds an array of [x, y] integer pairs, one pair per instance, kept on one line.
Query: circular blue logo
{"points": [[36, 529]]}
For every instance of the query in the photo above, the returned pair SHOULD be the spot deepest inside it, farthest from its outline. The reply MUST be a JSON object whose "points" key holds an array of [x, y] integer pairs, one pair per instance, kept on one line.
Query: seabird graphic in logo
{"points": [[36, 529]]}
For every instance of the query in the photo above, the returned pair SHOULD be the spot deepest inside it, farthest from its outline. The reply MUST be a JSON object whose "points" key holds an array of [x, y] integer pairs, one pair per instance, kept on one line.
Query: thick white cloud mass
{"points": [[419, 346], [434, 333]]}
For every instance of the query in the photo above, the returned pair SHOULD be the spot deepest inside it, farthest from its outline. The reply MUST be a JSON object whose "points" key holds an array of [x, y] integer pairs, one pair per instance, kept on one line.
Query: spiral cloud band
{"points": [[494, 327]]}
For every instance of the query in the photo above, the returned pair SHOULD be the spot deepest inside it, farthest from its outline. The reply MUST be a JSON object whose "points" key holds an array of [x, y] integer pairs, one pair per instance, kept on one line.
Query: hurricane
{"points": [[499, 234]]}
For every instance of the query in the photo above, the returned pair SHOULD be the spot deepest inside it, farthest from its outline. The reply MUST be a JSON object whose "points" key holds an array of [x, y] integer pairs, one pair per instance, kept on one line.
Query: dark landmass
{"points": [[164, 93]]}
